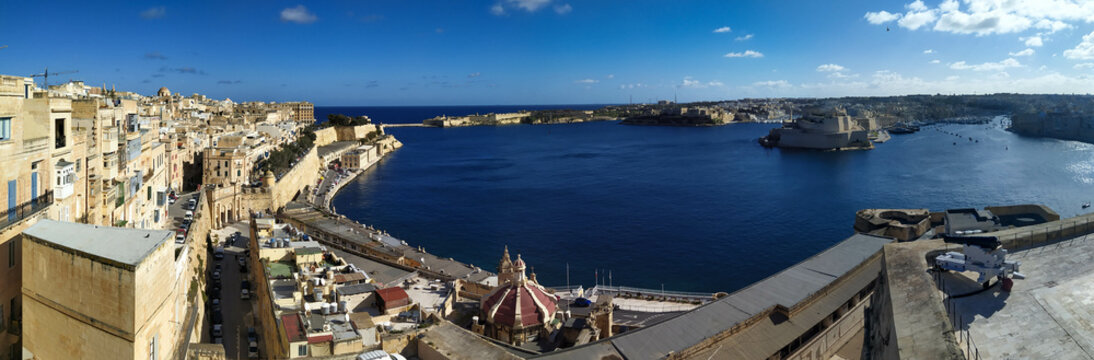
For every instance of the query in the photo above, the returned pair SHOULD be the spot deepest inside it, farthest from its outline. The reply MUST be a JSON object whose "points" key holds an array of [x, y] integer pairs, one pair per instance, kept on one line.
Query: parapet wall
{"points": [[304, 173], [325, 136], [1041, 210], [906, 318], [328, 135], [1034, 235]]}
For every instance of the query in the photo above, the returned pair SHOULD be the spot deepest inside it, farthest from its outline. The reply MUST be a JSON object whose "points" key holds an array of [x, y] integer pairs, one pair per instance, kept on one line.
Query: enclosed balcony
{"points": [[64, 183]]}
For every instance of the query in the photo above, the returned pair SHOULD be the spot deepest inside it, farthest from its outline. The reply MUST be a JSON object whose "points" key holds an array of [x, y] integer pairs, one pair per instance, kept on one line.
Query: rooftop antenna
{"points": [[45, 76]]}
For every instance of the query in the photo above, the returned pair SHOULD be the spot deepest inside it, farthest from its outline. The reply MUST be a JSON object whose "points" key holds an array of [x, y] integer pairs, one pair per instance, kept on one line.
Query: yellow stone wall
{"points": [[325, 136]]}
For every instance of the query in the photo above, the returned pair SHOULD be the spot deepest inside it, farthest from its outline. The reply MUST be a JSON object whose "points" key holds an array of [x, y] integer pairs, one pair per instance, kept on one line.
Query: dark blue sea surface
{"points": [[416, 114], [693, 208]]}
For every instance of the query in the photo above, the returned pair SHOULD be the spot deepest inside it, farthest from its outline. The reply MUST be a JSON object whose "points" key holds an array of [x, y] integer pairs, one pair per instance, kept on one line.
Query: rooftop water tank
{"points": [[342, 306], [326, 309]]}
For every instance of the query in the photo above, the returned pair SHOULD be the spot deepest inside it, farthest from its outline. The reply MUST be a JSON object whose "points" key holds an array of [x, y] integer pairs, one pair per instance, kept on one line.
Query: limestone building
{"points": [[302, 111], [26, 141], [95, 292]]}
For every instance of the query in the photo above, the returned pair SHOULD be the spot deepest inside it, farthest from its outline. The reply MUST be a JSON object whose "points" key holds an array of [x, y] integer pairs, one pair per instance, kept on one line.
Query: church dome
{"points": [[164, 92], [519, 305]]}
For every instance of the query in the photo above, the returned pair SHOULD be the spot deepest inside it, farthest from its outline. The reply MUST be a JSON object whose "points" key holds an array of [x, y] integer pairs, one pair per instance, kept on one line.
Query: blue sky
{"points": [[555, 51]]}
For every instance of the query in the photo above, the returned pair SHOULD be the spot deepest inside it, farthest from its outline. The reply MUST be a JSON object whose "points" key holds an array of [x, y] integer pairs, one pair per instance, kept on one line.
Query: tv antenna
{"points": [[46, 74]]}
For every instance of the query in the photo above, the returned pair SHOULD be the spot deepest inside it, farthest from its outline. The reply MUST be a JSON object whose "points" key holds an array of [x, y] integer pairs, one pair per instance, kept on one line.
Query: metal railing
{"points": [[22, 211]]}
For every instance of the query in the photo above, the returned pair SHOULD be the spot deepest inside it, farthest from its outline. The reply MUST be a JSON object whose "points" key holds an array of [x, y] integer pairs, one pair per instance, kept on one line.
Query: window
{"points": [[59, 128], [152, 348], [149, 197], [78, 161], [302, 350], [5, 128], [11, 253]]}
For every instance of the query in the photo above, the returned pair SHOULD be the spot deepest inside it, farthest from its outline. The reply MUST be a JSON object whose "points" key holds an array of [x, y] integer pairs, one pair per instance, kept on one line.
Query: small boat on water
{"points": [[1086, 205]]}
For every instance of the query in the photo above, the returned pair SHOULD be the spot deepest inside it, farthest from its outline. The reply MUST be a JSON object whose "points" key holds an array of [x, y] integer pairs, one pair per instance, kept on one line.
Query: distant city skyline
{"points": [[502, 52]]}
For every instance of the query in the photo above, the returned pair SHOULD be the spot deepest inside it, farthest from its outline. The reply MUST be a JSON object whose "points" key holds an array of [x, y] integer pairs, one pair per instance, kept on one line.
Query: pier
{"points": [[405, 125]]}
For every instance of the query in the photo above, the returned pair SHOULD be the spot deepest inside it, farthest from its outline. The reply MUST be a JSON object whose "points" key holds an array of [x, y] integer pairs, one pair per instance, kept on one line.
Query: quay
{"points": [[340, 233]]}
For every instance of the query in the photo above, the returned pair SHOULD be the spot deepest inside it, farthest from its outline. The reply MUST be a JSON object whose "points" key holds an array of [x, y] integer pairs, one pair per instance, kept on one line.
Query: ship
{"points": [[820, 129]]}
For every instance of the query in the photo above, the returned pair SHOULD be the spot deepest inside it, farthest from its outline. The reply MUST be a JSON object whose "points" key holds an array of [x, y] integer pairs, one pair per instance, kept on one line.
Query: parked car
{"points": [[180, 239], [216, 275], [189, 215], [218, 330], [252, 350], [244, 294], [218, 253], [218, 318], [252, 335], [244, 284]]}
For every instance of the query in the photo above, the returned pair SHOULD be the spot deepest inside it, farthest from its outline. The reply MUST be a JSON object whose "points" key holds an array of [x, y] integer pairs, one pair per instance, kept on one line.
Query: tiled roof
{"points": [[510, 297], [294, 329], [393, 295]]}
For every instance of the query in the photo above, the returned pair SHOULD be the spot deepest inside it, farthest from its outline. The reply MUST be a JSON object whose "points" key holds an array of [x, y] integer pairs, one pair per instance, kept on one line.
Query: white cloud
{"points": [[1026, 52], [914, 19], [773, 84], [298, 14], [1081, 66], [502, 7], [1083, 51], [610, 76], [830, 68], [985, 17], [988, 66], [587, 81], [723, 29], [887, 83], [928, 51], [632, 86], [881, 17], [154, 13], [743, 38], [747, 53], [696, 84], [935, 61], [529, 5], [917, 5], [1051, 25], [1035, 41], [474, 75]]}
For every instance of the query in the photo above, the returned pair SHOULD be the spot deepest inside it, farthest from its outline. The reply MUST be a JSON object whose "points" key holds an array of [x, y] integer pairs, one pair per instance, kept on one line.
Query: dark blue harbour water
{"points": [[695, 209]]}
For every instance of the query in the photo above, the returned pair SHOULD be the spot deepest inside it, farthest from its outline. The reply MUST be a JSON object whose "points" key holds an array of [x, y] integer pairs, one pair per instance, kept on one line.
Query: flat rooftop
{"points": [[122, 245], [787, 288], [462, 343], [1045, 316]]}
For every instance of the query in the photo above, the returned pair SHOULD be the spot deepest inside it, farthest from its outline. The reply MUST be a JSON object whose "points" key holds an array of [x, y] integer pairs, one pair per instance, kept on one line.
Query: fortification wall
{"points": [[347, 133], [325, 136]]}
